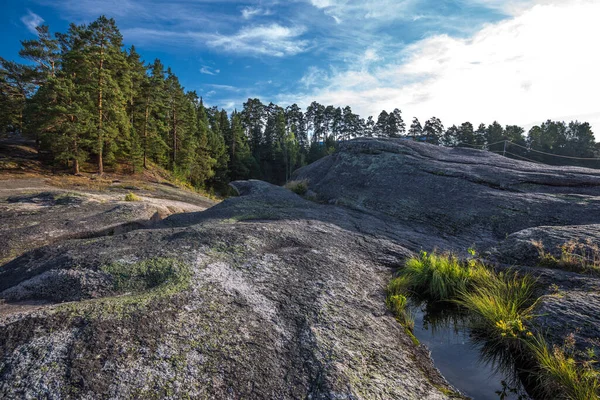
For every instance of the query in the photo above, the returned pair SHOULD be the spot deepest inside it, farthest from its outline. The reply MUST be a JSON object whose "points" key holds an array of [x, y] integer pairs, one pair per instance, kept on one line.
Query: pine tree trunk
{"points": [[146, 130], [100, 113], [76, 152], [174, 138]]}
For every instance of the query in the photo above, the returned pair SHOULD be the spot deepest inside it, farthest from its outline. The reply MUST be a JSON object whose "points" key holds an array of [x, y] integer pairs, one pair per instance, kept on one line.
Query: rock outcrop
{"points": [[270, 295]]}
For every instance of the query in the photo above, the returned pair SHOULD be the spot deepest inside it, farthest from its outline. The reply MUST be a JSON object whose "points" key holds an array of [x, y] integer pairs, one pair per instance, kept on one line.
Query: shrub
{"points": [[131, 197], [298, 187]]}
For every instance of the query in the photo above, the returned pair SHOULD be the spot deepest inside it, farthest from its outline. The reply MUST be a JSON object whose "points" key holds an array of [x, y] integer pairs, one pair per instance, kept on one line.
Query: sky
{"points": [[515, 61]]}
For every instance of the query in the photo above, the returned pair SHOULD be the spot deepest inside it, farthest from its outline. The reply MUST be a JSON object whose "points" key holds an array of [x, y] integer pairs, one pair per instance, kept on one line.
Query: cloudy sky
{"points": [[515, 61]]}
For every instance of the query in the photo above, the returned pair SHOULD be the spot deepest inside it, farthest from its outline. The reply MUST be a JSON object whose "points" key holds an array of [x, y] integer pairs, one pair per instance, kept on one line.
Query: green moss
{"points": [[144, 282], [144, 275]]}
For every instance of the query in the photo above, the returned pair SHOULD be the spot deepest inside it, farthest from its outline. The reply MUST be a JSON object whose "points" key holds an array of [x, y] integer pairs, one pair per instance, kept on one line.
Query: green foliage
{"points": [[397, 303], [131, 197], [500, 306]]}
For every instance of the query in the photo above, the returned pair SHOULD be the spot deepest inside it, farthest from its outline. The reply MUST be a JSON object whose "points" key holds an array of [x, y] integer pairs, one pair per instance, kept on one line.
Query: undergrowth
{"points": [[500, 308]]}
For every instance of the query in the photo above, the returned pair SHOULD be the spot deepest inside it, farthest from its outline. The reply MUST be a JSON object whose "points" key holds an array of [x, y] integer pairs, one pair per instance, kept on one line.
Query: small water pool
{"points": [[459, 358]]}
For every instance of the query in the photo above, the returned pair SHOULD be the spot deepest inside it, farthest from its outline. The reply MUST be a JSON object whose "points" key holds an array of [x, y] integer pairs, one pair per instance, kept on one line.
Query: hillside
{"points": [[270, 294]]}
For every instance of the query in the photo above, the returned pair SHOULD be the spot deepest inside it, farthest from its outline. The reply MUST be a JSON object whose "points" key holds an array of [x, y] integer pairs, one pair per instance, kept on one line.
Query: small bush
{"points": [[131, 197], [298, 187]]}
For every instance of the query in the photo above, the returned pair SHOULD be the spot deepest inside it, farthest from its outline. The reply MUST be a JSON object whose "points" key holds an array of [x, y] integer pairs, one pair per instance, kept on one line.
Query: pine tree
{"points": [[433, 130], [395, 124], [369, 127], [416, 130]]}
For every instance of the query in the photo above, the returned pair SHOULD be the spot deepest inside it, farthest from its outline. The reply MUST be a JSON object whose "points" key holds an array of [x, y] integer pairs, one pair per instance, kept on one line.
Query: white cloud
{"points": [[265, 40], [251, 12], [32, 21], [272, 40], [341, 10], [537, 65], [209, 71]]}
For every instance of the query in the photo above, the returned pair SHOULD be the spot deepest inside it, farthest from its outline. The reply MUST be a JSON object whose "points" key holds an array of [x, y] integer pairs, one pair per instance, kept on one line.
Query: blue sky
{"points": [[475, 60]]}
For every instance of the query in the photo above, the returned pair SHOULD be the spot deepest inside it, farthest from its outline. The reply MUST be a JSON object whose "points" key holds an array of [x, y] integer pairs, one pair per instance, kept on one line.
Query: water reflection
{"points": [[472, 365]]}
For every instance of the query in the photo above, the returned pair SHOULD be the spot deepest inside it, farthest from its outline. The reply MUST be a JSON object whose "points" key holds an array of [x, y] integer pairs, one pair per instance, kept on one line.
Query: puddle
{"points": [[460, 359]]}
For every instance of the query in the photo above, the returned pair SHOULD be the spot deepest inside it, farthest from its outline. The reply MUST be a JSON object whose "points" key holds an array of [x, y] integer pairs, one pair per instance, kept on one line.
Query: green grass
{"points": [[298, 187], [397, 303], [500, 308], [558, 372], [440, 277], [501, 305], [131, 197]]}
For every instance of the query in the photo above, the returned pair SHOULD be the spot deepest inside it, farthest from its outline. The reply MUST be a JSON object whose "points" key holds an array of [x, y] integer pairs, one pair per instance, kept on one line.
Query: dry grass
{"points": [[574, 256], [298, 187]]}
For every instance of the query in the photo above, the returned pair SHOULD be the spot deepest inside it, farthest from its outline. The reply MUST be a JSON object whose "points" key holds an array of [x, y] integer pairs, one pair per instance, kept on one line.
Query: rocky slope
{"points": [[270, 295], [507, 209]]}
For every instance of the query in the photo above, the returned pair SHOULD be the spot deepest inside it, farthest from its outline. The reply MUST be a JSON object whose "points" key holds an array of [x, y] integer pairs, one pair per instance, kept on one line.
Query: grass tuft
{"points": [[298, 187], [558, 372], [441, 277], [131, 197], [501, 305]]}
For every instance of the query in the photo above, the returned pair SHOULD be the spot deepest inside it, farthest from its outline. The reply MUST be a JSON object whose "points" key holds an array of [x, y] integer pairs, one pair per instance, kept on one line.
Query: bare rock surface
{"points": [[458, 192], [269, 295], [284, 305], [34, 213]]}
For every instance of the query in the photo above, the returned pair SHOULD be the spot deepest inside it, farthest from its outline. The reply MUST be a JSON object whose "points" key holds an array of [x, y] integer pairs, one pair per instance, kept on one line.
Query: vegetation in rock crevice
{"points": [[583, 257], [500, 309]]}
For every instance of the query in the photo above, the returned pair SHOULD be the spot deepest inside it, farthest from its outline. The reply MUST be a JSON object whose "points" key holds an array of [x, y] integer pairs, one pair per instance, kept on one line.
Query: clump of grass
{"points": [[440, 277], [574, 256], [558, 372], [146, 274], [398, 303], [298, 187], [131, 197], [501, 305]]}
